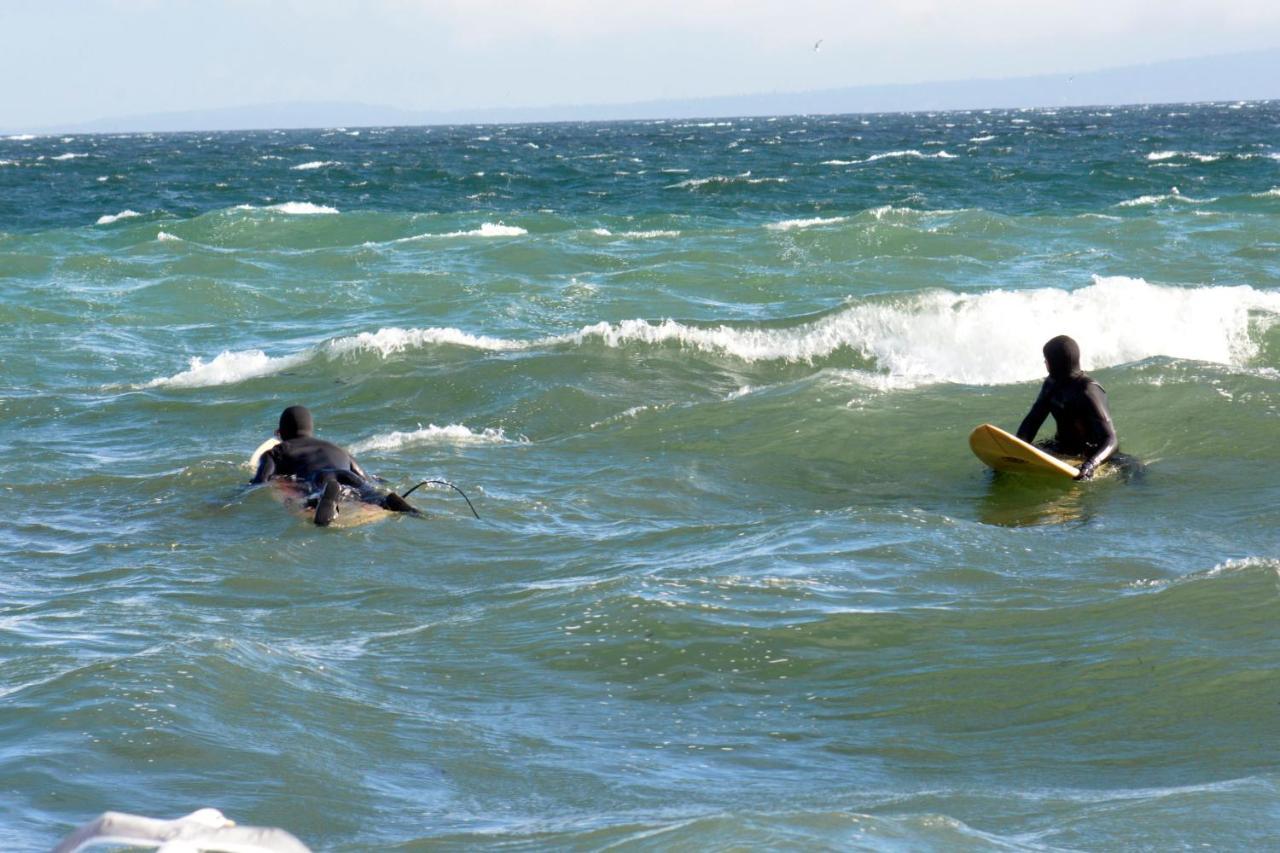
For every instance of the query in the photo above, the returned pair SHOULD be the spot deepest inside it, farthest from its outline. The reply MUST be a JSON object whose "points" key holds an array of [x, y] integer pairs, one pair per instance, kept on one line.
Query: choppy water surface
{"points": [[738, 580]]}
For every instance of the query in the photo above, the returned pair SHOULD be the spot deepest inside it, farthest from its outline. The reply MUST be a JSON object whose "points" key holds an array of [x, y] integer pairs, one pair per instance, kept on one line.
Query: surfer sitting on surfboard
{"points": [[321, 464], [1079, 407]]}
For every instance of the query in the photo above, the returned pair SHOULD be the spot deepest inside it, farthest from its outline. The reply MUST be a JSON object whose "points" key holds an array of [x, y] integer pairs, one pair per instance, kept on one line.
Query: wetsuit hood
{"points": [[1062, 354], [295, 422]]}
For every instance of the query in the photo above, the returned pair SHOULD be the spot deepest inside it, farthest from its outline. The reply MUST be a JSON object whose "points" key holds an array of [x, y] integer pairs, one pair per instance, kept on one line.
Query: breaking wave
{"points": [[987, 338], [295, 208], [792, 224], [454, 434], [116, 217]]}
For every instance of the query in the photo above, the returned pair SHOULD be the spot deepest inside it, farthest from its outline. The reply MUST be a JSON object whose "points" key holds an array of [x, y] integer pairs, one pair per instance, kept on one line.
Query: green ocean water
{"points": [[738, 581]]}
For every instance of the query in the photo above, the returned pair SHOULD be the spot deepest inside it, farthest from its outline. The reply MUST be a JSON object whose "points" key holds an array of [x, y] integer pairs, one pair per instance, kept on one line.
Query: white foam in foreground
{"points": [[454, 434]]}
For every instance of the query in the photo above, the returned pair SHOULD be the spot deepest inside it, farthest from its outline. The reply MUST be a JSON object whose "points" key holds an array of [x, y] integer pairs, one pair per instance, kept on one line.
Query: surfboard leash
{"points": [[444, 483]]}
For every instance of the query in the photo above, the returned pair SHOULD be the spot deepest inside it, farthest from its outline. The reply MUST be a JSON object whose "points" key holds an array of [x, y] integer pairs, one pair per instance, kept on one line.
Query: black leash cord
{"points": [[444, 483]]}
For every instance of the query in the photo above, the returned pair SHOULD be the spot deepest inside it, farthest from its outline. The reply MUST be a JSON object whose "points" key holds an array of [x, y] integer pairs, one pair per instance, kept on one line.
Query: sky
{"points": [[66, 61]]}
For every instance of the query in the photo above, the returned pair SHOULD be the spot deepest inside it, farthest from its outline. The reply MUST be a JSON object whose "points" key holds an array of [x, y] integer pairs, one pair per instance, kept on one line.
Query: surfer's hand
{"points": [[1086, 471]]}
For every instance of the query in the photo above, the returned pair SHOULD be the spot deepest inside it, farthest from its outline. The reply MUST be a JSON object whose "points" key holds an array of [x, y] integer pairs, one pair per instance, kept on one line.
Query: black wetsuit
{"points": [[322, 465], [1079, 408], [311, 460]]}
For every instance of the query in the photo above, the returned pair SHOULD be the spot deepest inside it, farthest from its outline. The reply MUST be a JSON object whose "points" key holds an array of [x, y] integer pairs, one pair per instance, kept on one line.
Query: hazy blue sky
{"points": [[76, 60]]}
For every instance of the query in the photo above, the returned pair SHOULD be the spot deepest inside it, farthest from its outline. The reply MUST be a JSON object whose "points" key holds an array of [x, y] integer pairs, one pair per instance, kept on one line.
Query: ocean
{"points": [[737, 580]]}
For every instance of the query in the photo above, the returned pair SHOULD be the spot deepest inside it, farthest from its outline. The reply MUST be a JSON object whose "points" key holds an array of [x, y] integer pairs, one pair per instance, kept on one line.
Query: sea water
{"points": [[737, 580]]}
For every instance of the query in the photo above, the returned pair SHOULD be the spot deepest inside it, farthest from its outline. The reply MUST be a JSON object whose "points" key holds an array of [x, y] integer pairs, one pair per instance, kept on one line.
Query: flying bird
{"points": [[817, 45]]}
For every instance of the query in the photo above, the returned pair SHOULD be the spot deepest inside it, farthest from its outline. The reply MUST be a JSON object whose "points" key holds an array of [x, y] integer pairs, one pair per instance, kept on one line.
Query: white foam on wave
{"points": [[226, 368], [988, 338], [911, 152], [166, 237], [8, 162], [230, 367], [21, 137], [314, 164], [296, 208], [1172, 195], [70, 155], [389, 341], [1274, 192], [454, 434], [994, 337], [744, 178], [793, 224], [649, 235], [302, 208], [635, 235], [116, 217], [1226, 569], [1157, 156], [489, 229]]}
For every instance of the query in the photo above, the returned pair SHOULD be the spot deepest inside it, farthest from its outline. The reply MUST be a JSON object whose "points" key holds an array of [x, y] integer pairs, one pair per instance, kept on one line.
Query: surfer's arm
{"points": [[266, 469], [1102, 431], [1035, 418]]}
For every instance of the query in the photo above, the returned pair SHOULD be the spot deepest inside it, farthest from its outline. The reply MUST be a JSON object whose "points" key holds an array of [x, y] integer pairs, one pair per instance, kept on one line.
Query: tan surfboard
{"points": [[1005, 452], [351, 513]]}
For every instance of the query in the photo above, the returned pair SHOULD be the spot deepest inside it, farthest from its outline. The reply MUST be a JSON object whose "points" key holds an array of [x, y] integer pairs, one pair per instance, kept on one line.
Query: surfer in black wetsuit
{"points": [[323, 465], [1079, 407]]}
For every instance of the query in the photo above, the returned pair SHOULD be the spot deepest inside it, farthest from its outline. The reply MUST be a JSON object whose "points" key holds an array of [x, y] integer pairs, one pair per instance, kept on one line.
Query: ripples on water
{"points": [[738, 580]]}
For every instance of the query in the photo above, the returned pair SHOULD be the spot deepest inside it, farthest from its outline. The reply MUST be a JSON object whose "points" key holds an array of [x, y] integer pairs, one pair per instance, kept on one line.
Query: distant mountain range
{"points": [[1241, 76]]}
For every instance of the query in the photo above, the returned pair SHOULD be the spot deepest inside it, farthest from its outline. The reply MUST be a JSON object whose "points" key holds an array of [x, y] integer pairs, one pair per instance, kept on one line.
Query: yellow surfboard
{"points": [[1005, 452]]}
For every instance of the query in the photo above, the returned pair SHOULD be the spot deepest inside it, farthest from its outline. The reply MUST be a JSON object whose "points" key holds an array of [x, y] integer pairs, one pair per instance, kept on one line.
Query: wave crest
{"points": [[993, 337], [227, 368], [988, 338], [109, 218], [792, 224], [454, 434]]}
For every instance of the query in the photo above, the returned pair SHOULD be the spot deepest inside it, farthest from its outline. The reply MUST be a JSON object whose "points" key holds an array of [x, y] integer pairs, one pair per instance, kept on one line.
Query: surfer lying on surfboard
{"points": [[1079, 408], [322, 465]]}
